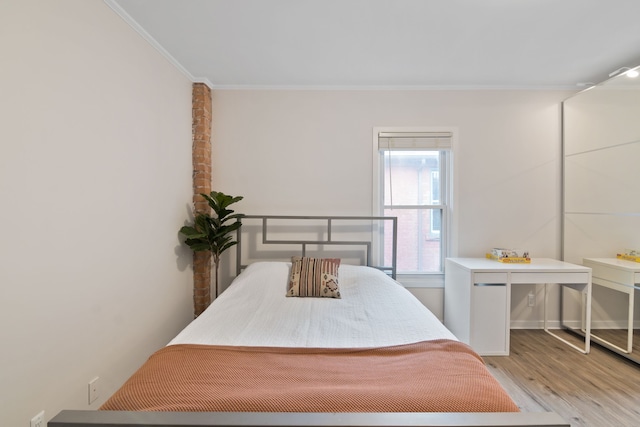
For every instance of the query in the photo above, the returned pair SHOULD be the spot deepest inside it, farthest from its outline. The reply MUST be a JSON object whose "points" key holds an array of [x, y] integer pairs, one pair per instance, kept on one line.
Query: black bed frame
{"points": [[92, 418]]}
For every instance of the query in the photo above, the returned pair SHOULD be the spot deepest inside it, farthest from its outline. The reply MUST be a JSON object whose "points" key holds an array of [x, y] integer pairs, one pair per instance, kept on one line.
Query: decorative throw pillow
{"points": [[314, 277]]}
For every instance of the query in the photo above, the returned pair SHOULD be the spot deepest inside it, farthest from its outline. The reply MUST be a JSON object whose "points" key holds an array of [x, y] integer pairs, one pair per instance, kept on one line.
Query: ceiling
{"points": [[391, 43]]}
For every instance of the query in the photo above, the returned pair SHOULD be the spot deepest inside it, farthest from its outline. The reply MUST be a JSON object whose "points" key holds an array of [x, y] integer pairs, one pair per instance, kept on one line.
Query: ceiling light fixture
{"points": [[629, 72]]}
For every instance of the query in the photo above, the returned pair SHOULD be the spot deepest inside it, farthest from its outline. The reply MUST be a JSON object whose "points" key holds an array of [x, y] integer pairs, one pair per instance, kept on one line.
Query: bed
{"points": [[271, 351]]}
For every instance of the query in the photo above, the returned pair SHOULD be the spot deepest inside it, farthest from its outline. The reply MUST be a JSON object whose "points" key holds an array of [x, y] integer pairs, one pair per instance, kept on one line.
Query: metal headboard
{"points": [[329, 240]]}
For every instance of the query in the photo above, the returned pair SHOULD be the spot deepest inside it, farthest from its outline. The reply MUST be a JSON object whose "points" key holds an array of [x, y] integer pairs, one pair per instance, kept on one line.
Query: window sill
{"points": [[421, 280]]}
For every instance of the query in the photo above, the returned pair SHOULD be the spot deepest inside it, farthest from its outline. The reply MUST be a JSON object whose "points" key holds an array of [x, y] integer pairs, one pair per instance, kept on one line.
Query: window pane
{"points": [[419, 248], [411, 177]]}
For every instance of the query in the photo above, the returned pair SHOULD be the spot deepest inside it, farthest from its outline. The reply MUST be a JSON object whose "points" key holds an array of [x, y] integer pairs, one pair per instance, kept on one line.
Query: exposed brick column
{"points": [[201, 129]]}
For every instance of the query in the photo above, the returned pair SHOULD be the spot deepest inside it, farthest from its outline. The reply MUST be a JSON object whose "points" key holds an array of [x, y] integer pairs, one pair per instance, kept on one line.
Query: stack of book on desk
{"points": [[516, 256], [630, 255]]}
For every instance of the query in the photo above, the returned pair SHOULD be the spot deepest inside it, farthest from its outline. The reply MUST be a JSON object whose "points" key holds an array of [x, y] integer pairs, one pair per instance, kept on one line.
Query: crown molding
{"points": [[203, 80], [113, 5], [395, 88]]}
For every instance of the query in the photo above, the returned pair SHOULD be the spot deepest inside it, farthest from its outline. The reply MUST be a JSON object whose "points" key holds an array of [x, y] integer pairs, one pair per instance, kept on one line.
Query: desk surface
{"points": [[536, 265], [621, 264]]}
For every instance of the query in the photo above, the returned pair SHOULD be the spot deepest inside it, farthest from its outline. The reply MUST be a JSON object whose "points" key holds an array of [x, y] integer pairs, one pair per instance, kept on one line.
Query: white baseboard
{"points": [[575, 324], [534, 324]]}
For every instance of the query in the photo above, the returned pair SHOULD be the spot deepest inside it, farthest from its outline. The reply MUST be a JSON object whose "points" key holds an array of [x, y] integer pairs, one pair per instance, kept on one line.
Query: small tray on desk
{"points": [[628, 257], [509, 260]]}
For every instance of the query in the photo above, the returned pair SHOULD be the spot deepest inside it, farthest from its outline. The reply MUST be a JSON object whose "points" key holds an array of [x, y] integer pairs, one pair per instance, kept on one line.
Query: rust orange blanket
{"points": [[431, 376]]}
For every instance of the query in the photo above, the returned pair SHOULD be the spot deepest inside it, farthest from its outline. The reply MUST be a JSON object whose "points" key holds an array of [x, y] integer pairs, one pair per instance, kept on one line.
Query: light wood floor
{"points": [[541, 373], [619, 337]]}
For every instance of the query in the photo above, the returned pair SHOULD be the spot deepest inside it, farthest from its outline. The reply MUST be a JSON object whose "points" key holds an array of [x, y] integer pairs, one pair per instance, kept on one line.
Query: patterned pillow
{"points": [[314, 277]]}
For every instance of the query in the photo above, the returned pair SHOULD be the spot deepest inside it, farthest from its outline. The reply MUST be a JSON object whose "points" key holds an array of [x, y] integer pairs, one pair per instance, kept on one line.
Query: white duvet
{"points": [[374, 311]]}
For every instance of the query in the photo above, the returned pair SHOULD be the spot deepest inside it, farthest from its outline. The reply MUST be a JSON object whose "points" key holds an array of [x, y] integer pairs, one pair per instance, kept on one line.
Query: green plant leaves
{"points": [[213, 232]]}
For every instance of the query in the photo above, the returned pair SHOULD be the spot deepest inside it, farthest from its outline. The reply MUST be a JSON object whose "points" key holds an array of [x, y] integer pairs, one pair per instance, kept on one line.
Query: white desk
{"points": [[477, 298], [622, 276]]}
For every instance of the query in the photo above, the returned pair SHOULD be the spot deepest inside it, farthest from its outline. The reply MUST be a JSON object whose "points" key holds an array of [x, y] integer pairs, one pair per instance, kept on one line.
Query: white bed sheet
{"points": [[374, 311]]}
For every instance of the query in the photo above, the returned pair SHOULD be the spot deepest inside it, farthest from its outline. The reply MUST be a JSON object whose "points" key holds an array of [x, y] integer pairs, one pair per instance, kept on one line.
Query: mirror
{"points": [[601, 204]]}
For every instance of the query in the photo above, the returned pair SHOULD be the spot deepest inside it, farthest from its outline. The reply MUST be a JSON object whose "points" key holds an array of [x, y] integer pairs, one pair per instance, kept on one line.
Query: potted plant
{"points": [[213, 232]]}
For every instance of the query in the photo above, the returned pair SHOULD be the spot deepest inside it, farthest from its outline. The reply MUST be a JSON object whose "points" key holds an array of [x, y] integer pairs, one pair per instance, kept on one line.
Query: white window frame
{"points": [[435, 201], [448, 221]]}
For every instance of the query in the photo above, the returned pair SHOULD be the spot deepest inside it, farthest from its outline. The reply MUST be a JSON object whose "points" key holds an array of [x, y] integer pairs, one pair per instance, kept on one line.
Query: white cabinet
{"points": [[476, 306], [477, 298], [489, 315]]}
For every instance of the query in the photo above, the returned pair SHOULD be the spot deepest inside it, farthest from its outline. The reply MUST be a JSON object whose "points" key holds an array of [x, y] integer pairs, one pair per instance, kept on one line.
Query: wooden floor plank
{"points": [[618, 337], [600, 389]]}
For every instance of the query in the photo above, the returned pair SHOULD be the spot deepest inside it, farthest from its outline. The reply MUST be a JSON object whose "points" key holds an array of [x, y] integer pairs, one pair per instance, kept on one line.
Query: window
{"points": [[411, 183]]}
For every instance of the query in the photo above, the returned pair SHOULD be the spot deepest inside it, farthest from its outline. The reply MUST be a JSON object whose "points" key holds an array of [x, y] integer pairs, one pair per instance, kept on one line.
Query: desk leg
{"points": [[587, 335], [630, 298], [630, 324], [545, 303]]}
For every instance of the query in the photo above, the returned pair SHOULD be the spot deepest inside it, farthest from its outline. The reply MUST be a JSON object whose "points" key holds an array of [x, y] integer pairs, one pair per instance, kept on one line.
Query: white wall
{"points": [[310, 152], [95, 181]]}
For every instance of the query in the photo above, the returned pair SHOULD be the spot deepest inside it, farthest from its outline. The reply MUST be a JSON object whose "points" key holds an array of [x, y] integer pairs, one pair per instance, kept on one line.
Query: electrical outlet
{"points": [[531, 300], [38, 420], [94, 390]]}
